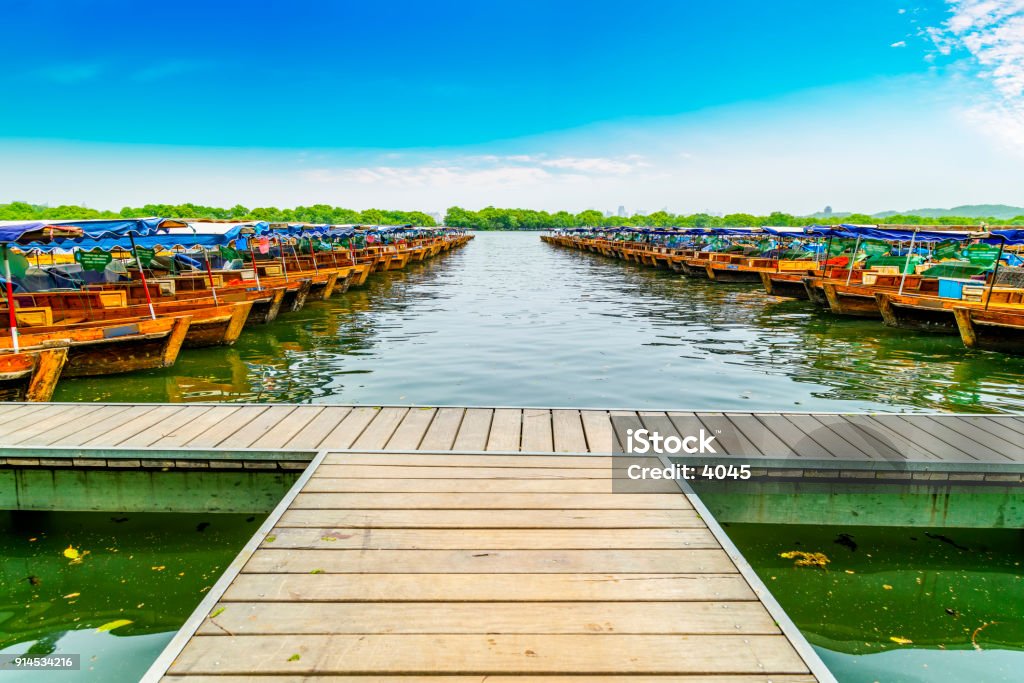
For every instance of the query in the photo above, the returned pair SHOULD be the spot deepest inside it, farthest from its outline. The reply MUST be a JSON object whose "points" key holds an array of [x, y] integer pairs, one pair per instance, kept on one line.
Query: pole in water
{"points": [[995, 271], [853, 260], [142, 274], [910, 252], [10, 302]]}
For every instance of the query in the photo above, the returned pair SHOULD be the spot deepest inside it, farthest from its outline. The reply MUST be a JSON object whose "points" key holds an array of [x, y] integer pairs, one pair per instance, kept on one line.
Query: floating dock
{"points": [[472, 544]]}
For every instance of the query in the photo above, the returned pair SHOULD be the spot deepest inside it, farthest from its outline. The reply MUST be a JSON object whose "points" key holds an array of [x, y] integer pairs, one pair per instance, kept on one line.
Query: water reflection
{"points": [[509, 320]]}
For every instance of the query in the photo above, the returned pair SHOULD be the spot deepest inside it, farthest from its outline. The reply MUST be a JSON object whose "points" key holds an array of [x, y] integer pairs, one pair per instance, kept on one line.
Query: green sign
{"points": [[93, 260], [145, 256], [948, 249]]}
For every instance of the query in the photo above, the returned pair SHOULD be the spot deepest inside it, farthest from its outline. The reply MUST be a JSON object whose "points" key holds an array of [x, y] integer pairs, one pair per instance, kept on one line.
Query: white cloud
{"points": [[899, 43], [991, 32]]}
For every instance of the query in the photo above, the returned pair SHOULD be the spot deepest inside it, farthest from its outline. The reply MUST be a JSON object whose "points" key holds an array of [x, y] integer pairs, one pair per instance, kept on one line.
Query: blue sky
{"points": [[678, 104]]}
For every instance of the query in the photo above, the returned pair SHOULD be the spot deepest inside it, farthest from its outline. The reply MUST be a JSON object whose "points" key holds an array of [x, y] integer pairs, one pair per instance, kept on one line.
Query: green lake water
{"points": [[150, 569], [956, 595], [511, 320]]}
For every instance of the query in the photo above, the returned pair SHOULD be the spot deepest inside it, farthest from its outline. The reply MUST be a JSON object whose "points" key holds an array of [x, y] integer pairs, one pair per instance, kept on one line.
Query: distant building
{"points": [[828, 211], [622, 211], [608, 214]]}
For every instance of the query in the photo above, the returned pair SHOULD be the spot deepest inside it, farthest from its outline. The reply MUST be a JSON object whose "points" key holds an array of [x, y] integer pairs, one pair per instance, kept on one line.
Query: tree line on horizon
{"points": [[317, 213], [490, 218], [493, 218]]}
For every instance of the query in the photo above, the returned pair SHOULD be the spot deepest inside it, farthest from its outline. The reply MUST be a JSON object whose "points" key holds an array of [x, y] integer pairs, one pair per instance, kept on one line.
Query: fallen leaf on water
{"points": [[804, 559], [886, 586], [71, 595], [111, 625], [850, 571], [158, 568], [71, 552], [900, 641]]}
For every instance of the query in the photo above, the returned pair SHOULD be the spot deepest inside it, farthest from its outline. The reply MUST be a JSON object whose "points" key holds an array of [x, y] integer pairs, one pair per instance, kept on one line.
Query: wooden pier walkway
{"points": [[415, 567], [471, 544], [965, 441]]}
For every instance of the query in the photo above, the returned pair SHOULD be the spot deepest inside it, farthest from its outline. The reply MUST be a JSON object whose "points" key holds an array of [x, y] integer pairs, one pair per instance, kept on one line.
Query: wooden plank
{"points": [[186, 432], [27, 434], [283, 432], [15, 416], [318, 428], [441, 435], [244, 420], [128, 428], [537, 436], [156, 433], [597, 426], [830, 442], [798, 442], [488, 678], [623, 420], [410, 431], [567, 428], [88, 429], [493, 519], [396, 485], [471, 460], [266, 618], [506, 429], [763, 439], [603, 586], [254, 428], [922, 435], [349, 429], [982, 444], [482, 653], [490, 539], [489, 501], [869, 443], [476, 425], [379, 431], [731, 440], [379, 471], [329, 561]]}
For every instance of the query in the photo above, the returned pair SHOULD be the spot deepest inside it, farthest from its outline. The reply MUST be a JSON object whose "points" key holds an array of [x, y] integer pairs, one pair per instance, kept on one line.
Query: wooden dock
{"points": [[415, 567], [809, 439], [472, 544]]}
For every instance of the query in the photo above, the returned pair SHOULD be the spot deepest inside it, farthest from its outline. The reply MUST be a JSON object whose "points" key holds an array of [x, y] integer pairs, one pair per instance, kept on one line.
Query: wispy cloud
{"points": [[479, 171], [991, 32], [899, 43]]}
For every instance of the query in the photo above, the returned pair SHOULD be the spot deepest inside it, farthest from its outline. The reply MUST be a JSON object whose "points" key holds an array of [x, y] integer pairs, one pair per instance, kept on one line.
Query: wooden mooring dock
{"points": [[472, 544]]}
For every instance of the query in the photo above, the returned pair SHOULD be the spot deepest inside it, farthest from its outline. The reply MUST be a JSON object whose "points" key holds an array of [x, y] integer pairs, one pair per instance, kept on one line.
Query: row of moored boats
{"points": [[100, 297], [964, 282]]}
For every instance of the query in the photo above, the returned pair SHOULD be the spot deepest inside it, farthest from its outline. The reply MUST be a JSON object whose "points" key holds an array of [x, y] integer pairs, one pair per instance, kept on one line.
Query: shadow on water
{"points": [[509, 320]]}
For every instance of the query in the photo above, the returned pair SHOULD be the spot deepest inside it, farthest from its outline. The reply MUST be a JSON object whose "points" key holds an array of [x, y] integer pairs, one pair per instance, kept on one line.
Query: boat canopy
{"points": [[1009, 236], [874, 232], [21, 233]]}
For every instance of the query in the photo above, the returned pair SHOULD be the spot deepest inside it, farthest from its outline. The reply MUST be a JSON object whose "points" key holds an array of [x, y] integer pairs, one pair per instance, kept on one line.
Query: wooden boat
{"points": [[930, 313], [997, 329], [858, 298], [111, 348], [739, 269], [789, 285], [212, 324], [31, 375]]}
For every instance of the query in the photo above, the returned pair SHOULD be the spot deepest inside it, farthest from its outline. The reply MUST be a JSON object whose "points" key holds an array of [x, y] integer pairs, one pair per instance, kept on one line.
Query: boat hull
{"points": [[991, 330], [903, 313], [31, 375]]}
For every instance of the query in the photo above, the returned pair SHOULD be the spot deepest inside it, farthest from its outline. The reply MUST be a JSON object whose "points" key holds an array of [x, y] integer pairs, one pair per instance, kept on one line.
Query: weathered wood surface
{"points": [[399, 565], [987, 441]]}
